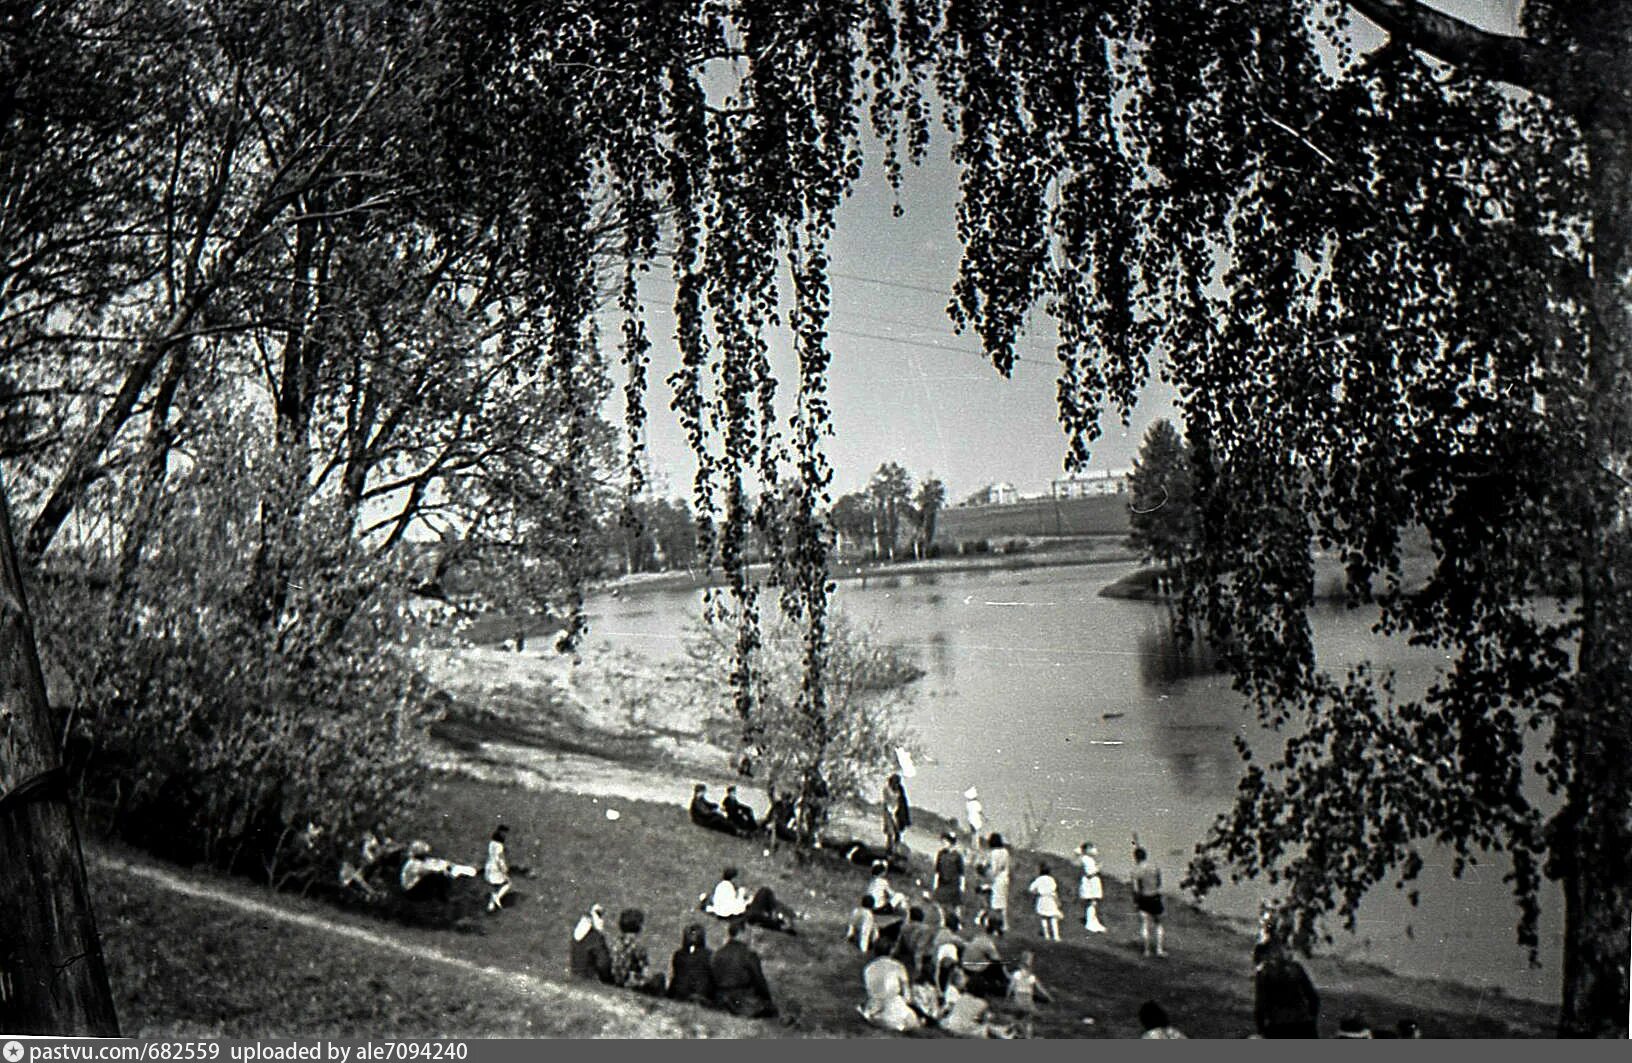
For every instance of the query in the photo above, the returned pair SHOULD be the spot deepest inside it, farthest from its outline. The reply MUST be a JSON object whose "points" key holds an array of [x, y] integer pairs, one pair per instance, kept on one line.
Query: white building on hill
{"points": [[1091, 484]]}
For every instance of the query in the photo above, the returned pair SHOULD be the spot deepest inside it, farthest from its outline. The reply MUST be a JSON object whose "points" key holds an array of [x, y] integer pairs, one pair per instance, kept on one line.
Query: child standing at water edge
{"points": [[1090, 890], [1047, 892], [1147, 897]]}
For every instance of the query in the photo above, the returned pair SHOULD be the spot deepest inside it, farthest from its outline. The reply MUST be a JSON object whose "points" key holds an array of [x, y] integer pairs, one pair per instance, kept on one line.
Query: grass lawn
{"points": [[183, 965]]}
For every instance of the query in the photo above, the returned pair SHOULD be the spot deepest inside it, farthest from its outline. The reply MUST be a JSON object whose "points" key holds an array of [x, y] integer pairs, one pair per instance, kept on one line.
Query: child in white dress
{"points": [[1047, 892], [1090, 890]]}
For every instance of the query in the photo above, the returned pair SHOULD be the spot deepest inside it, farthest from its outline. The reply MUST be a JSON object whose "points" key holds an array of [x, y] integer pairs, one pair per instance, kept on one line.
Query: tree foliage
{"points": [[890, 490], [868, 689], [1391, 285], [927, 505], [1161, 504]]}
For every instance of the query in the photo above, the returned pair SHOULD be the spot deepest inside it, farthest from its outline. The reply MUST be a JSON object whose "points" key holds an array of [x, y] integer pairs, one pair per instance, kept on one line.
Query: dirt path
{"points": [[621, 1018]]}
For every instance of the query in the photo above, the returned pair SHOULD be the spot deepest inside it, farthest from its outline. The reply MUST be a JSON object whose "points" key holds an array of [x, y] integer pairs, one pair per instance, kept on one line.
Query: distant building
{"points": [[998, 494], [1090, 484]]}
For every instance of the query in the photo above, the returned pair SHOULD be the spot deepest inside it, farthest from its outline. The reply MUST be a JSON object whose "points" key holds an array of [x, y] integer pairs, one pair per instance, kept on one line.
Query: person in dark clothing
{"points": [[949, 875], [740, 815], [590, 956], [706, 813], [739, 979], [692, 969], [982, 963], [778, 824], [897, 813], [766, 911], [912, 940], [886, 934], [1285, 1003]]}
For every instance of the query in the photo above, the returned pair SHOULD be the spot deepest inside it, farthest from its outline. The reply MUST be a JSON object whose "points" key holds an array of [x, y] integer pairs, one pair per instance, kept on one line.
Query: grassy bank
{"points": [[182, 965]]}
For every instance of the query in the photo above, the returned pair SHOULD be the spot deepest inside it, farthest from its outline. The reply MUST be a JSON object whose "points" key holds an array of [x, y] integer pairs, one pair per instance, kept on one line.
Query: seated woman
{"points": [[691, 975], [739, 815], [631, 967], [727, 900], [706, 813], [888, 996], [590, 956]]}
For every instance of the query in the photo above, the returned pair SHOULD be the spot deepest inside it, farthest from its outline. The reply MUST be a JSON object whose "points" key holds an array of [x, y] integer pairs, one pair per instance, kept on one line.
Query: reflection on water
{"points": [[1165, 659], [1074, 712]]}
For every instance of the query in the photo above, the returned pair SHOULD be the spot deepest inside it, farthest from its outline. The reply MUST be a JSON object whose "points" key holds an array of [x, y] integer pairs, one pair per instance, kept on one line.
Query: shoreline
{"points": [[1091, 550], [663, 773]]}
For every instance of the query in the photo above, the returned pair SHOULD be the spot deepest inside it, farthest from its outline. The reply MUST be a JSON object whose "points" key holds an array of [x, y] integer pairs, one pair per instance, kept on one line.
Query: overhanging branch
{"points": [[1498, 56]]}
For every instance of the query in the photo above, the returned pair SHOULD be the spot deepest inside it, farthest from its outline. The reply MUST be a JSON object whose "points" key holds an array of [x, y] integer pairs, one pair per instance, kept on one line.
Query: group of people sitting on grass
{"points": [[730, 900], [735, 817], [731, 978], [926, 970], [421, 876]]}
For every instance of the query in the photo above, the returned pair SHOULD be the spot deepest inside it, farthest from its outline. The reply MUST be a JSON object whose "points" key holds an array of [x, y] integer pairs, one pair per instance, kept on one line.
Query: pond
{"points": [[1060, 706]]}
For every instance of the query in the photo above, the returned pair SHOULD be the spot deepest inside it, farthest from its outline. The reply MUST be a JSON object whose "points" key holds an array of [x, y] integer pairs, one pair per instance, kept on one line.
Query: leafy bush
{"points": [[206, 728], [867, 685]]}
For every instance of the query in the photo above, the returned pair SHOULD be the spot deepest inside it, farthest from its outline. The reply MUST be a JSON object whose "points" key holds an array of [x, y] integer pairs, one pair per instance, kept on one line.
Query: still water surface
{"points": [[1047, 697]]}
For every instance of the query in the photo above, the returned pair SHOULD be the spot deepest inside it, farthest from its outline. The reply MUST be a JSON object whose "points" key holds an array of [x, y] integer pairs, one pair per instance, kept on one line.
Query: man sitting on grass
{"points": [[706, 813], [739, 977], [740, 816]]}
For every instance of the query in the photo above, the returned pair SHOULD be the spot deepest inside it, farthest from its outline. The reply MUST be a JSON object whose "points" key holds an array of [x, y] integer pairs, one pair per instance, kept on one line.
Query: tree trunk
{"points": [[1594, 831], [55, 981]]}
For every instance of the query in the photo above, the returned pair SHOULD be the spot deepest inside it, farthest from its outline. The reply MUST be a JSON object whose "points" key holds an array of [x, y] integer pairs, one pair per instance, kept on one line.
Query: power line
{"points": [[944, 293], [1032, 359]]}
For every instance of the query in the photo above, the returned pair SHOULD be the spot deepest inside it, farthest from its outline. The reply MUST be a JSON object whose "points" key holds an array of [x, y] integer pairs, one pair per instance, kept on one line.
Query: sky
{"points": [[904, 386]]}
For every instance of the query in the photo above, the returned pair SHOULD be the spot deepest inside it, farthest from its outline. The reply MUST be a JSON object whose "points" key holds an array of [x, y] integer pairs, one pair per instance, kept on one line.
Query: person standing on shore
{"points": [[998, 865], [950, 875], [976, 814], [1147, 897], [897, 813], [1047, 891], [1091, 889]]}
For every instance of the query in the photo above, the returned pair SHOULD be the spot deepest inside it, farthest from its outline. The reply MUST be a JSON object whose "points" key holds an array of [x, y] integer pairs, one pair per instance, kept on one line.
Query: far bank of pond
{"points": [[1062, 707]]}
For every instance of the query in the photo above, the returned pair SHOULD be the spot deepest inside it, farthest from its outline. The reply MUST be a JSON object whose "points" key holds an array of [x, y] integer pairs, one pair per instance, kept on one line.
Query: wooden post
{"points": [[55, 981]]}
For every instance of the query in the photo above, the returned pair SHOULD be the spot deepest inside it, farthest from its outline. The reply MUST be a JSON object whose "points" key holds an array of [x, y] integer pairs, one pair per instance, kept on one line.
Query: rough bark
{"points": [[1595, 827], [57, 981]]}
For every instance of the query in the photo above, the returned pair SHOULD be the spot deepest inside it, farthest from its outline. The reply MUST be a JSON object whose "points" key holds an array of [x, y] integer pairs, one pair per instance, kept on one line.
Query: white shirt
{"points": [[498, 868], [729, 900]]}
